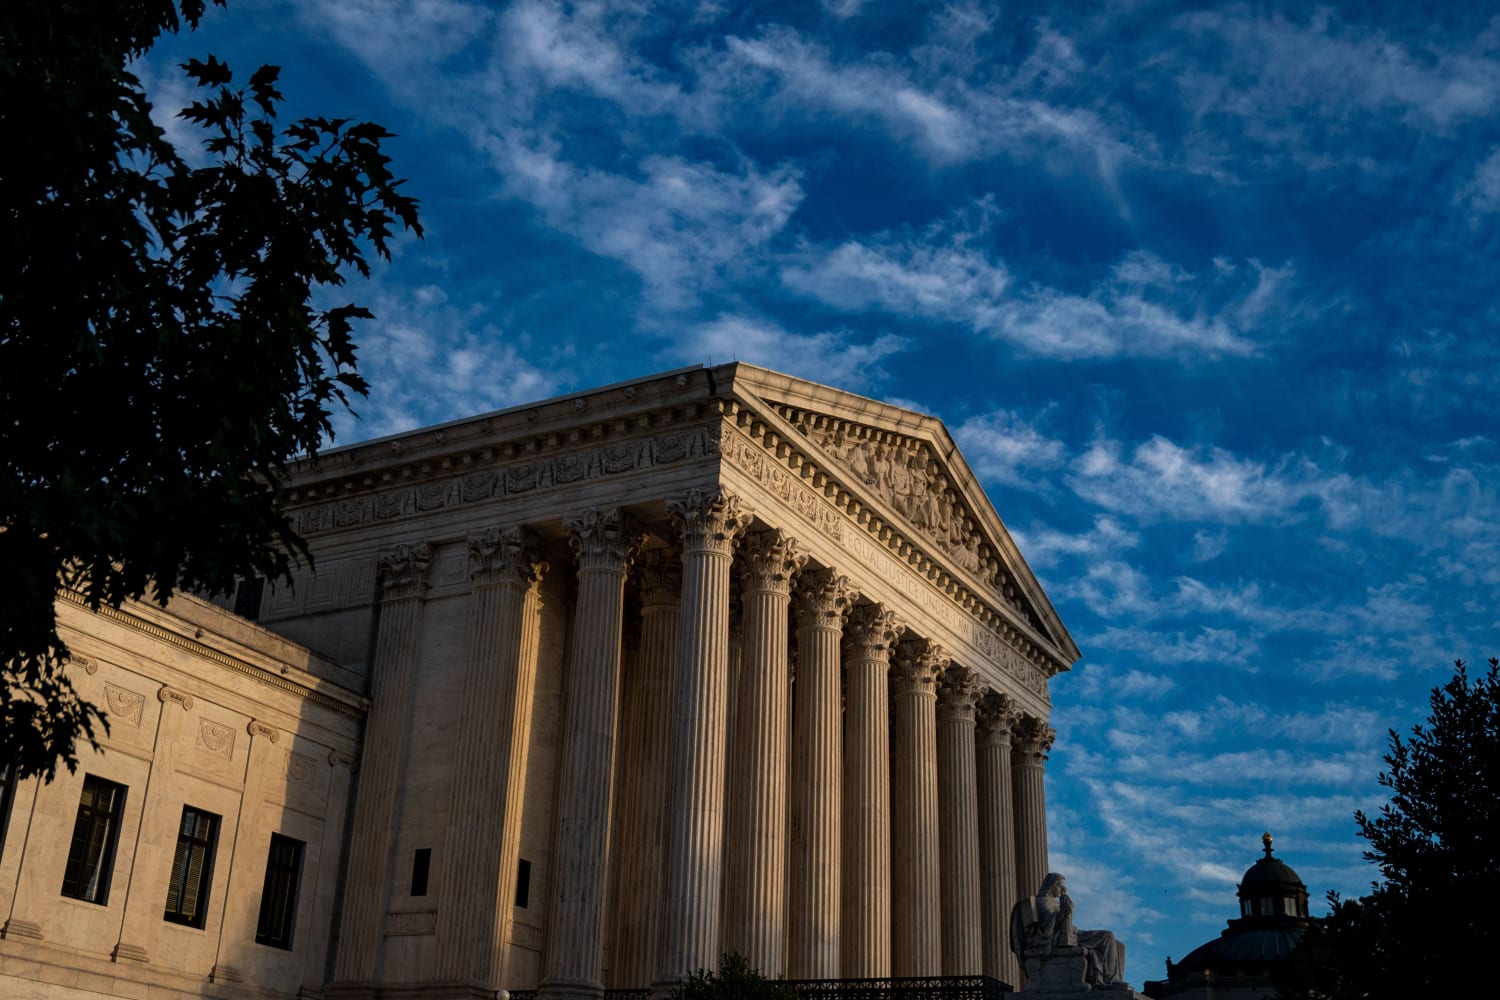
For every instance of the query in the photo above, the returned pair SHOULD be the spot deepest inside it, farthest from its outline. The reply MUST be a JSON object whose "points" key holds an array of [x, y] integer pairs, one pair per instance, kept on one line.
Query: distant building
{"points": [[1238, 964], [581, 694]]}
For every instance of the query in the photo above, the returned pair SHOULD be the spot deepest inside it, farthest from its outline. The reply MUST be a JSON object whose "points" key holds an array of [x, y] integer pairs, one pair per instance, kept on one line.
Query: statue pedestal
{"points": [[1062, 974]]}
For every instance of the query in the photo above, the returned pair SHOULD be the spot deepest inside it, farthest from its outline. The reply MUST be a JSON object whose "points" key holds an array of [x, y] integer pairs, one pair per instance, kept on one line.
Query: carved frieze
{"points": [[123, 706], [215, 739], [787, 487], [525, 475]]}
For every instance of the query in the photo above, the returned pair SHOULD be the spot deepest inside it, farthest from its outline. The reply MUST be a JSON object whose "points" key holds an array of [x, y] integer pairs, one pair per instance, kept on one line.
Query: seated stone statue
{"points": [[1041, 930]]}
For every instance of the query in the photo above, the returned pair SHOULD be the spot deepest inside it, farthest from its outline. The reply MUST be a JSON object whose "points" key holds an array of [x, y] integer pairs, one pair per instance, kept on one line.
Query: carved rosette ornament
{"points": [[404, 572], [505, 556], [872, 632], [996, 715], [709, 520], [958, 690], [604, 539], [916, 666], [824, 599], [1031, 740], [770, 561], [660, 572]]}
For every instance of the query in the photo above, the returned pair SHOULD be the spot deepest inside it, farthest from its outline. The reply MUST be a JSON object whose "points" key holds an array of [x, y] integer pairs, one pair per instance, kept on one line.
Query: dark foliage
{"points": [[1428, 928], [160, 355], [734, 980]]}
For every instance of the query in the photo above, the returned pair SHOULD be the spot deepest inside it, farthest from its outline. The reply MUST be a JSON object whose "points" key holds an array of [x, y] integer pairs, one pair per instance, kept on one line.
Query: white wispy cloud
{"points": [[1042, 545], [1205, 645], [835, 357], [1006, 447]]}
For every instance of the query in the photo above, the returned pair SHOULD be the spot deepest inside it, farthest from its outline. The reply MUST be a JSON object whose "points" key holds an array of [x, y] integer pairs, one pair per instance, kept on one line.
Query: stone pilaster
{"points": [[315, 958], [916, 868], [646, 736], [247, 861], [483, 841], [870, 636], [604, 542], [823, 602], [707, 521], [958, 808], [757, 842], [403, 575], [1030, 742], [997, 837]]}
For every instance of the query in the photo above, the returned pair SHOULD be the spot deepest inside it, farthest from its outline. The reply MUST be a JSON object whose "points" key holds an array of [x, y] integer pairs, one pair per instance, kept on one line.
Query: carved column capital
{"points": [[505, 556], [770, 560], [996, 715], [1030, 741], [872, 632], [404, 571], [823, 599], [708, 520], [660, 573], [958, 690], [916, 666], [604, 539]]}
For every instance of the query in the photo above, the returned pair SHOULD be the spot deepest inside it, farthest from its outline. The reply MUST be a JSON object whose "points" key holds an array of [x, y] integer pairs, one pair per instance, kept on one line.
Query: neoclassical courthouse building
{"points": [[580, 695]]}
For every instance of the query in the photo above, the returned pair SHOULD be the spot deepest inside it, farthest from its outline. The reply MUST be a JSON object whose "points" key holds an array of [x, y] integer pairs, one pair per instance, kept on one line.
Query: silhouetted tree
{"points": [[734, 980], [1428, 927], [160, 358]]}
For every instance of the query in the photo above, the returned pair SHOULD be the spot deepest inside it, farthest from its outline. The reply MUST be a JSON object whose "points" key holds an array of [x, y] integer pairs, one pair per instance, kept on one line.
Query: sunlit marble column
{"points": [[757, 842], [646, 737], [483, 841], [822, 602], [404, 578], [959, 822], [997, 841], [869, 637], [708, 522], [604, 543], [917, 896], [1030, 742]]}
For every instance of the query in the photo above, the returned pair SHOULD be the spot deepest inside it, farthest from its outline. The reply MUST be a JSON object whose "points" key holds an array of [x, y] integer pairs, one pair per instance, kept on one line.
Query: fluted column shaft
{"points": [[603, 544], [866, 921], [483, 840], [917, 924], [646, 733], [1029, 745], [707, 522], [958, 807], [403, 576], [997, 840], [823, 602], [757, 842]]}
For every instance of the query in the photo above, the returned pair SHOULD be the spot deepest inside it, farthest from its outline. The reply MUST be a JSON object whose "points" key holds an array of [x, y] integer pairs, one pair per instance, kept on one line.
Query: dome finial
{"points": [[1265, 839]]}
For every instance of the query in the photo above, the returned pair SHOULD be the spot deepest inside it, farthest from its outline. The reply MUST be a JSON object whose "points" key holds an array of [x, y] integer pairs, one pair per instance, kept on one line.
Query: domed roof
{"points": [[1270, 876]]}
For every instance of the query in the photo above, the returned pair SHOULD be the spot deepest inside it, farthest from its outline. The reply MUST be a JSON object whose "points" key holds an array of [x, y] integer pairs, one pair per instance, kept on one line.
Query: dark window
{"points": [[278, 896], [523, 883], [192, 867], [420, 863], [7, 796], [91, 854], [247, 598]]}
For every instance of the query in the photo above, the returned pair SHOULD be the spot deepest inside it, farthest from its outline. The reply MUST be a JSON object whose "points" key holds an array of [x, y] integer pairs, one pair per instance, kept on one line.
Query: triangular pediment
{"points": [[906, 465]]}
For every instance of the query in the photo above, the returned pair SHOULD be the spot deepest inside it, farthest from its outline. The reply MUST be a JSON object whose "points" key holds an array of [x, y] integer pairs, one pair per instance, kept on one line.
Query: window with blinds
{"points": [[192, 867], [278, 894], [91, 853]]}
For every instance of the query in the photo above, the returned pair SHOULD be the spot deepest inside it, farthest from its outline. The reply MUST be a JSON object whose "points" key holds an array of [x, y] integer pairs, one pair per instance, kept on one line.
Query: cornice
{"points": [[350, 705]]}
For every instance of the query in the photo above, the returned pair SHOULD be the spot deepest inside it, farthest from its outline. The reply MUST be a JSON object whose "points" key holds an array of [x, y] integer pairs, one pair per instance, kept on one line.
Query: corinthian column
{"points": [[870, 635], [707, 521], [756, 924], [917, 927], [403, 577], [959, 816], [483, 841], [823, 602], [1029, 745], [646, 731], [604, 542], [997, 839]]}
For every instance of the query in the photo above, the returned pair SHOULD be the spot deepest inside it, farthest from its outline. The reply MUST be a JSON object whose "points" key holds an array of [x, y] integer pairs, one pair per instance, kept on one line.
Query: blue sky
{"points": [[1205, 294]]}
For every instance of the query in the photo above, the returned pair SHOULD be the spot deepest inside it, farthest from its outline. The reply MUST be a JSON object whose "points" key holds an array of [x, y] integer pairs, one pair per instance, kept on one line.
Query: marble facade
{"points": [[718, 659]]}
